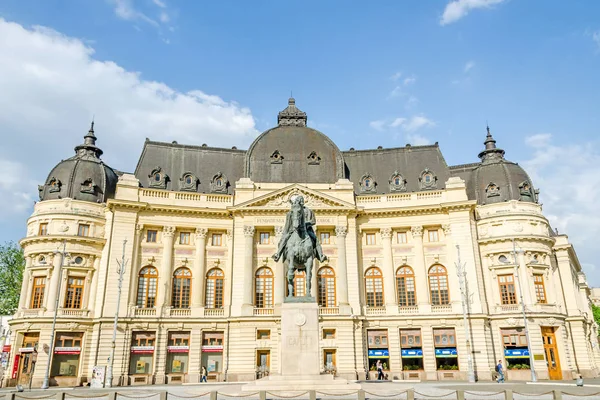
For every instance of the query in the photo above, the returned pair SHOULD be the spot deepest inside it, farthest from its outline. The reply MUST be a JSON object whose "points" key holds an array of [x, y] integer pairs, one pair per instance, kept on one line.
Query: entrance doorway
{"points": [[27, 357], [551, 353], [263, 363]]}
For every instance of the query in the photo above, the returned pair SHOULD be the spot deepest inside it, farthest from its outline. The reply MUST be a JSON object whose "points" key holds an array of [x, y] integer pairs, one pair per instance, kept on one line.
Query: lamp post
{"points": [[525, 324], [64, 254], [461, 271], [111, 359]]}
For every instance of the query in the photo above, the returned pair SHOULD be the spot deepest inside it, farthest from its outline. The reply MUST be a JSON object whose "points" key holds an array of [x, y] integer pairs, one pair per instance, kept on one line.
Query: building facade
{"points": [[414, 245]]}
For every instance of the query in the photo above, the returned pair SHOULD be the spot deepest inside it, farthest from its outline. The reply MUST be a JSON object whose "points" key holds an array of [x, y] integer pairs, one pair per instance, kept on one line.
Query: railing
{"points": [[408, 309], [145, 312], [375, 310], [214, 312], [329, 310], [400, 197], [180, 312], [159, 194], [442, 308], [262, 311], [68, 312], [221, 199], [508, 308], [31, 313], [429, 195]]}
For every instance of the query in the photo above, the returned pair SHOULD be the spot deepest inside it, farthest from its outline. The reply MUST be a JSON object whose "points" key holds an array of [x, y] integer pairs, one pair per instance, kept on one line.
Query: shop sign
{"points": [[412, 353], [379, 353], [178, 349], [26, 350], [6, 348], [516, 353], [212, 349], [67, 350], [446, 353], [15, 370], [142, 349]]}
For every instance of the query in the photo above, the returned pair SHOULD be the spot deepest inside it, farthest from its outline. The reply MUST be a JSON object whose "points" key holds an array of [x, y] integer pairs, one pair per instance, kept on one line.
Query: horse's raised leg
{"points": [[290, 279]]}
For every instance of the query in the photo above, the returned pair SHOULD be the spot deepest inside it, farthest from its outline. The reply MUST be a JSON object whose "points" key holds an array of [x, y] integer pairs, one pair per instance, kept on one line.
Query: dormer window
{"points": [[54, 185], [219, 183], [158, 178], [276, 157], [397, 182], [88, 186], [428, 180], [188, 182], [367, 184], [492, 190], [313, 158], [526, 192]]}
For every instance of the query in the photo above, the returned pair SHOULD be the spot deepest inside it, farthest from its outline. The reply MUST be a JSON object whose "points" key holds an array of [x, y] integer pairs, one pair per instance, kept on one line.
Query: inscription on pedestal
{"points": [[300, 339]]}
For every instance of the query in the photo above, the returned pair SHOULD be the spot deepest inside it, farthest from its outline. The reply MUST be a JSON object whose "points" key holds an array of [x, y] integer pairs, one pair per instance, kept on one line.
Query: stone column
{"points": [[524, 280], [342, 268], [388, 268], [279, 281], [54, 282], [421, 280], [86, 289], [248, 268], [199, 269], [165, 273], [94, 286], [25, 286], [50, 260]]}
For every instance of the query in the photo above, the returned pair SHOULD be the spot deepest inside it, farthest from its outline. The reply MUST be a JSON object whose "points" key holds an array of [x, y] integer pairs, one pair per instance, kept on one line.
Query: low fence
{"points": [[408, 394]]}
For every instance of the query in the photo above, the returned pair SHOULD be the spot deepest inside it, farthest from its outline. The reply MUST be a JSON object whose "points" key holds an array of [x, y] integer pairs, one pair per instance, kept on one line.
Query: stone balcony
{"points": [[262, 311], [329, 310], [214, 312], [144, 312], [185, 199], [73, 312]]}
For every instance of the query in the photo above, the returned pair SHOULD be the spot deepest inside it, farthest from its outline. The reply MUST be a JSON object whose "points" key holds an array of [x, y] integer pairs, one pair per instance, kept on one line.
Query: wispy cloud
{"points": [[457, 9], [417, 140], [411, 124], [596, 38], [377, 125], [396, 76], [125, 10], [160, 3], [468, 66]]}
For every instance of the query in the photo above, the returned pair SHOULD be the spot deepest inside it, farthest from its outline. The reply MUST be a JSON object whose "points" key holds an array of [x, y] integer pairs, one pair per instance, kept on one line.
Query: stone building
{"points": [[406, 236]]}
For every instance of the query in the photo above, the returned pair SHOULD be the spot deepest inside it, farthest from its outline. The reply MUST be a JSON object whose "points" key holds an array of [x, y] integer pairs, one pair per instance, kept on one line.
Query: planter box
{"points": [[448, 375], [518, 374]]}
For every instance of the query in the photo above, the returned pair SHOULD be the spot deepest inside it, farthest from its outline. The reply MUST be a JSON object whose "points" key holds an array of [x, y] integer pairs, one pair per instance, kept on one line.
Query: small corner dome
{"points": [[497, 179], [81, 177], [292, 152]]}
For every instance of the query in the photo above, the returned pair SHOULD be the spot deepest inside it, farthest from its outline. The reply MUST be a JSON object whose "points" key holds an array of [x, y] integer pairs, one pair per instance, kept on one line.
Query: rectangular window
{"points": [[216, 239], [410, 338], [507, 289], [370, 239], [178, 352], [401, 236], [142, 353], [514, 337], [67, 348], [151, 236], [328, 333], [433, 235], [444, 338], [212, 339], [37, 293], [43, 229], [263, 334], [184, 238], [143, 339], [84, 230], [540, 290], [74, 294], [264, 238], [329, 359], [378, 339], [325, 238]]}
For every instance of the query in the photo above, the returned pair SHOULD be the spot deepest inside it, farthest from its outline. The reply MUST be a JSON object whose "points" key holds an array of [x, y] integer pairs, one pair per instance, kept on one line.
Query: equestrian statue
{"points": [[298, 246]]}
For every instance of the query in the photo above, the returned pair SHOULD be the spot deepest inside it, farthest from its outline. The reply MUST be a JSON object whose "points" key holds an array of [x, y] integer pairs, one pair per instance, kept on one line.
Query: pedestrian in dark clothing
{"points": [[380, 375], [203, 375], [500, 372]]}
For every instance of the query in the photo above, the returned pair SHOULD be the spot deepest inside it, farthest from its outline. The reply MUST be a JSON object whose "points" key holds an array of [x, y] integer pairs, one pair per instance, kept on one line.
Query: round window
{"points": [[42, 260], [157, 177], [503, 259], [78, 260]]}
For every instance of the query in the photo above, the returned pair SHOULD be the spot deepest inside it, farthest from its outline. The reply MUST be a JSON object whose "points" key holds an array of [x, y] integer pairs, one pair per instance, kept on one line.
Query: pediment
{"points": [[280, 199]]}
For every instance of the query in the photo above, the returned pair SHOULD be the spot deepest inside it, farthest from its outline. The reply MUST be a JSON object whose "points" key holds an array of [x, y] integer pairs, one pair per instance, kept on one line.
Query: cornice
{"points": [[510, 238], [59, 238]]}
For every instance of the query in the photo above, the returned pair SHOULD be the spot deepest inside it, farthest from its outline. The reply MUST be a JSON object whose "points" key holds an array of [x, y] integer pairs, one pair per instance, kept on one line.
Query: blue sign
{"points": [[516, 353], [380, 353], [412, 353], [448, 352]]}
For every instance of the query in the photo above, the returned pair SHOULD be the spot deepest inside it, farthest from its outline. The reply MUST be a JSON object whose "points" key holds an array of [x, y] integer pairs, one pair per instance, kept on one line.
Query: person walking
{"points": [[500, 372], [379, 371], [203, 375]]}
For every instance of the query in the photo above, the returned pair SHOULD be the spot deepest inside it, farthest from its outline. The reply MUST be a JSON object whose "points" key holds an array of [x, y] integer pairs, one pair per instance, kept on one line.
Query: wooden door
{"points": [[25, 369], [551, 353]]}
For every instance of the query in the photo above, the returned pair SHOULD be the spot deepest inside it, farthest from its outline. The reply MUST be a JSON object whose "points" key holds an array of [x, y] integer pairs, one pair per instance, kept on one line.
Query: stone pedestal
{"points": [[300, 354]]}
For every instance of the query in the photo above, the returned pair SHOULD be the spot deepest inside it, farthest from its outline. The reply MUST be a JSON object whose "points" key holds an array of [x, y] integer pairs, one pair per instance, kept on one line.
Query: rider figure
{"points": [[309, 221]]}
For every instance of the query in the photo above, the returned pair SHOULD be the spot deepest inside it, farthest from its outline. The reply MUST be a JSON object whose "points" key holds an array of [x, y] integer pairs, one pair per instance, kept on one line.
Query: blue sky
{"points": [[367, 73]]}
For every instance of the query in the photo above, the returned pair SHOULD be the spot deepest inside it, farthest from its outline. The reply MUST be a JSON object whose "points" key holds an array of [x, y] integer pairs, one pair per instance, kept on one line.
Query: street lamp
{"points": [[111, 359], [461, 271], [64, 254], [525, 324]]}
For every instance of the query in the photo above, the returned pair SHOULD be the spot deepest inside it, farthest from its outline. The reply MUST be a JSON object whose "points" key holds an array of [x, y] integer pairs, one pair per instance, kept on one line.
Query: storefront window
{"points": [[142, 353], [516, 351], [67, 348], [411, 350], [212, 352], [178, 352], [446, 355], [378, 349]]}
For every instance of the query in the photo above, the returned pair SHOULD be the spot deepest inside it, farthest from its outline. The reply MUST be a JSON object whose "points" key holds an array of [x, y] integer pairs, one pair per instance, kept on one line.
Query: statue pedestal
{"points": [[300, 354]]}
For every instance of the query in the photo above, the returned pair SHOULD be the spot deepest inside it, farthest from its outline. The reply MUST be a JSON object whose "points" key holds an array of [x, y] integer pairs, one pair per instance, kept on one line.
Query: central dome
{"points": [[294, 153]]}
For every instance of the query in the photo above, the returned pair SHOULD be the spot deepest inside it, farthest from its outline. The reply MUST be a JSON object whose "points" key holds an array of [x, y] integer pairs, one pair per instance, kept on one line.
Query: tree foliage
{"points": [[12, 264], [596, 312]]}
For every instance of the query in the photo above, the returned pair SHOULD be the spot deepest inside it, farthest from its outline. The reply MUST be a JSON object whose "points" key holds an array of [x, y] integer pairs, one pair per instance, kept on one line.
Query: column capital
{"points": [[447, 229], [201, 233], [386, 233], [248, 230], [416, 230], [139, 228], [341, 231], [168, 231]]}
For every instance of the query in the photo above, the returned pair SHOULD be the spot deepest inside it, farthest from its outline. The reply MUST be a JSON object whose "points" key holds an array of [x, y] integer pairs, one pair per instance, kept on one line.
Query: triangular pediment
{"points": [[280, 199]]}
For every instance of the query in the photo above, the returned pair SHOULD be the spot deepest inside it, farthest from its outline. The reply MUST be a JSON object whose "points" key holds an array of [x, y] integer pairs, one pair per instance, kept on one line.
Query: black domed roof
{"points": [[292, 152], [496, 179], [81, 177]]}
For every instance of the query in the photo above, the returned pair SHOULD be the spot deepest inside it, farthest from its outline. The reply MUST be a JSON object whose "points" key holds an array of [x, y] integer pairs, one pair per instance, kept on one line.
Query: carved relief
{"points": [[341, 231], [188, 182], [54, 185], [201, 233], [276, 157], [168, 231], [158, 178], [88, 186], [397, 182], [386, 233], [492, 190], [416, 231], [248, 230], [428, 180], [313, 158], [367, 183], [310, 200], [526, 194], [219, 183]]}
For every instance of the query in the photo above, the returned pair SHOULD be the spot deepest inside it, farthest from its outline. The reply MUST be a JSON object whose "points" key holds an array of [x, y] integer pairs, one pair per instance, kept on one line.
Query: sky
{"points": [[368, 74]]}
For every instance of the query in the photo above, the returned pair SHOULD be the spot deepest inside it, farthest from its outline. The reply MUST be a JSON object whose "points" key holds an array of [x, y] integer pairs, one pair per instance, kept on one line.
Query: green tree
{"points": [[12, 264], [596, 312]]}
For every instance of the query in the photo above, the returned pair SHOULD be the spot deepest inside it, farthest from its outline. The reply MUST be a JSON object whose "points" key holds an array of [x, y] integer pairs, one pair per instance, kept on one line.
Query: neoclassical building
{"points": [[429, 265]]}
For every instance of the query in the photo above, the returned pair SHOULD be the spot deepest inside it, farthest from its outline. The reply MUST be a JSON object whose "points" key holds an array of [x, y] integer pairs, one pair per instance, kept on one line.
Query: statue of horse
{"points": [[299, 250]]}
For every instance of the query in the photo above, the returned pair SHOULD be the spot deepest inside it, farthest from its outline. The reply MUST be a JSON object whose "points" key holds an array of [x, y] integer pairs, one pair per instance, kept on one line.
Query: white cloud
{"points": [[396, 92], [417, 140], [468, 66], [457, 9], [160, 3], [164, 17], [124, 9], [412, 124], [417, 122], [51, 87], [377, 125], [397, 122], [396, 76], [410, 80], [568, 176], [596, 38]]}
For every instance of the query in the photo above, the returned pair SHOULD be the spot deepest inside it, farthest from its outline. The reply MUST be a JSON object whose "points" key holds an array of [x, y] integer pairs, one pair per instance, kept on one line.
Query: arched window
{"points": [[299, 283], [374, 287], [438, 285], [214, 288], [405, 284], [326, 286], [182, 283], [263, 288], [147, 282]]}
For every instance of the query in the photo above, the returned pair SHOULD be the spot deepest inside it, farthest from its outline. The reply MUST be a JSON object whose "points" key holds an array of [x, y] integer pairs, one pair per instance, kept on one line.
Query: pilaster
{"points": [[421, 277], [199, 272], [164, 276], [247, 306]]}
